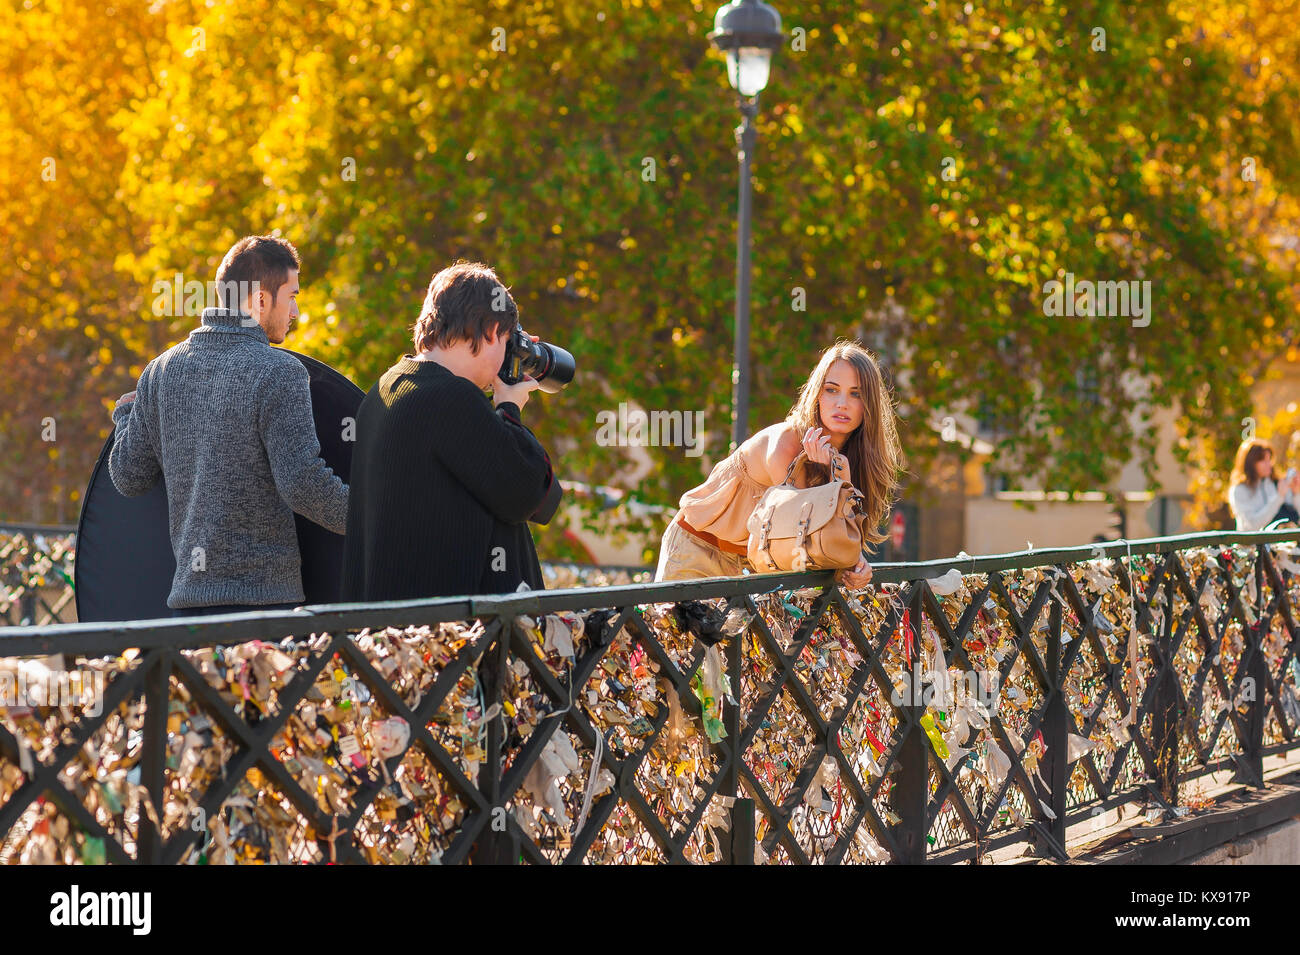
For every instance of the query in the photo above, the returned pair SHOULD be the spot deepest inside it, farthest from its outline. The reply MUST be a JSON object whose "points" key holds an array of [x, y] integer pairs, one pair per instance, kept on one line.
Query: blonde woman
{"points": [[1257, 499], [843, 419]]}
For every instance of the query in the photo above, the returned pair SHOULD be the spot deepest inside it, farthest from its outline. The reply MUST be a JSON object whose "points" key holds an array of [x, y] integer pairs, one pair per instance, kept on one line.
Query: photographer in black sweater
{"points": [[443, 485]]}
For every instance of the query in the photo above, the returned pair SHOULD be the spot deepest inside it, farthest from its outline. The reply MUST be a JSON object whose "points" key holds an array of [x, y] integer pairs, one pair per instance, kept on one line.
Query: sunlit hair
{"points": [[258, 262], [1251, 452], [464, 301], [875, 456]]}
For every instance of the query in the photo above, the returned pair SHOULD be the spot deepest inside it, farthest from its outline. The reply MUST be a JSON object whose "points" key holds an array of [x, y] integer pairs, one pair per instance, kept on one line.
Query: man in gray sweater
{"points": [[226, 420]]}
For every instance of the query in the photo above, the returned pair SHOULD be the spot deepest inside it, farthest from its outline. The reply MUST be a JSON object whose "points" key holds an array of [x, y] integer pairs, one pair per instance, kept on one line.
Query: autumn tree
{"points": [[922, 172]]}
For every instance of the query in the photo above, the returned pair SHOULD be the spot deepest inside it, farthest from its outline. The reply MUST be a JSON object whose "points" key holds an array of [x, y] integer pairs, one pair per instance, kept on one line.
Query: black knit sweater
{"points": [[442, 486]]}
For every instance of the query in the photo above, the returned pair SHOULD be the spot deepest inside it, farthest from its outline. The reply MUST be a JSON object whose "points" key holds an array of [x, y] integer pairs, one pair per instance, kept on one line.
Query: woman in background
{"points": [[1256, 499], [843, 420]]}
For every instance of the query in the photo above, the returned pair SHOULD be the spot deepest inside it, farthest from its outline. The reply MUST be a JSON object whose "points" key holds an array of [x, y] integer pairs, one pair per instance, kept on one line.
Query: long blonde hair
{"points": [[874, 453]]}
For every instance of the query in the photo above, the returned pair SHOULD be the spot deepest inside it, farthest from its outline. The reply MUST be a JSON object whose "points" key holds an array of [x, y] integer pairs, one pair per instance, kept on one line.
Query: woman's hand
{"points": [[817, 446], [858, 577]]}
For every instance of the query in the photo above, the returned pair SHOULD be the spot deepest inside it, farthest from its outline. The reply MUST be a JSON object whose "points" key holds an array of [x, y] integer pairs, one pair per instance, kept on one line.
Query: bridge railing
{"points": [[37, 588], [36, 563], [953, 708]]}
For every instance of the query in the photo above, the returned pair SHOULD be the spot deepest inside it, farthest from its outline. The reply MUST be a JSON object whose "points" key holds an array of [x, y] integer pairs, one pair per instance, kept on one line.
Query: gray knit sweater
{"points": [[227, 420]]}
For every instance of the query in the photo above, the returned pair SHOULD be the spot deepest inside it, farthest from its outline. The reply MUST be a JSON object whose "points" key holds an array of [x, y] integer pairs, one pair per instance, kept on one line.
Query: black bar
{"points": [[153, 758], [1055, 730], [741, 844], [736, 850], [498, 844], [746, 136], [1167, 705], [1250, 762], [908, 797], [27, 607]]}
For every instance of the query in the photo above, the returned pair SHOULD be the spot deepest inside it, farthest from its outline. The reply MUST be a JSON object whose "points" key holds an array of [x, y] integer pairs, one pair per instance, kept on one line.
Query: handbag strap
{"points": [[799, 457], [790, 470]]}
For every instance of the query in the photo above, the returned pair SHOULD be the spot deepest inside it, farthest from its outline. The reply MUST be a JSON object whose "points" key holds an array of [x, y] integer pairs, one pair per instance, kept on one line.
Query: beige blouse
{"points": [[721, 506]]}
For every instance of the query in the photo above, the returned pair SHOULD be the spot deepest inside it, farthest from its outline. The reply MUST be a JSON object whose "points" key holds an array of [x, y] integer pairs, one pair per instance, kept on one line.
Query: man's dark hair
{"points": [[264, 259], [463, 302]]}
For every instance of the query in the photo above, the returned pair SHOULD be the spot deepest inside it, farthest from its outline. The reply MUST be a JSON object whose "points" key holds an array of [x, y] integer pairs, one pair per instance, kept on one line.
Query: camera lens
{"points": [[556, 367], [550, 365]]}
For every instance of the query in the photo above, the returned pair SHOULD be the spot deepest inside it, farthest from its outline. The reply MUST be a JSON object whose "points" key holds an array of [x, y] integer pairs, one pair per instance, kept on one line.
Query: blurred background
{"points": [[922, 172]]}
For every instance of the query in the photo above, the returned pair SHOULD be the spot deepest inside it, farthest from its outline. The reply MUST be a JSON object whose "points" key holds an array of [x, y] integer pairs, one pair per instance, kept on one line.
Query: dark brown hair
{"points": [[262, 259], [463, 302], [1251, 452]]}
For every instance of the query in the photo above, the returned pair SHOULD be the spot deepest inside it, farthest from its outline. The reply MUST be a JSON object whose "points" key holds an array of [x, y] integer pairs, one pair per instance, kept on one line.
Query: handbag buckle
{"points": [[804, 521]]}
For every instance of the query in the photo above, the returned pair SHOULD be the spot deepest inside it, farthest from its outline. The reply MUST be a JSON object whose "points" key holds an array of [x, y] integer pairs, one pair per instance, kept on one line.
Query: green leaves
{"points": [[920, 173]]}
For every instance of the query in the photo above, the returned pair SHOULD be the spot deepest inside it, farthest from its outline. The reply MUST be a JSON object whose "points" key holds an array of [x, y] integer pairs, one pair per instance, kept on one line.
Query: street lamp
{"points": [[748, 32]]}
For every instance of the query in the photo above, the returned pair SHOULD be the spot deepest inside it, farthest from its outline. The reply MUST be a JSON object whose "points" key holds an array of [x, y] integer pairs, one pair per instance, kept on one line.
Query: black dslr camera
{"points": [[550, 365]]}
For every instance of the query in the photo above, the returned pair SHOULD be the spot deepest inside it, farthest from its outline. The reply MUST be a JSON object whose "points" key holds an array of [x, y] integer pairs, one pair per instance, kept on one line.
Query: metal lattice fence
{"points": [[36, 575], [950, 710]]}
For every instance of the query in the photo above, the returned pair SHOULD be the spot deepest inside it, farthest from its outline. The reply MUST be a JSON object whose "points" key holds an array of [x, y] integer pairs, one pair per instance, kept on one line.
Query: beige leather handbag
{"points": [[812, 528]]}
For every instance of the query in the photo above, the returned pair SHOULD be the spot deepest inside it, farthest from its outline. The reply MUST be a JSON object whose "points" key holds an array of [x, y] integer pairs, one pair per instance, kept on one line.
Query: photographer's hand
{"points": [[516, 394]]}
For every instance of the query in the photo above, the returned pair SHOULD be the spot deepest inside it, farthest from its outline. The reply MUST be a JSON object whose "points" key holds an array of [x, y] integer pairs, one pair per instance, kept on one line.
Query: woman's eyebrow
{"points": [[837, 384]]}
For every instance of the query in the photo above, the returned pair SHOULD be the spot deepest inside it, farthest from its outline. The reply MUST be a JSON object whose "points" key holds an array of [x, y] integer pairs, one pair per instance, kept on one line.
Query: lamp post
{"points": [[748, 32]]}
